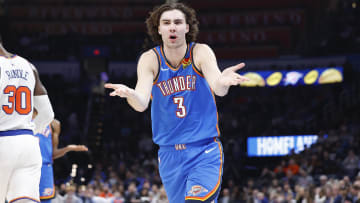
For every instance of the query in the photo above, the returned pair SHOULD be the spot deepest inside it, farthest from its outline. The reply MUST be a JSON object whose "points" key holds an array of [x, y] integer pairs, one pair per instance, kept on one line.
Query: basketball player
{"points": [[181, 76], [20, 158], [49, 141]]}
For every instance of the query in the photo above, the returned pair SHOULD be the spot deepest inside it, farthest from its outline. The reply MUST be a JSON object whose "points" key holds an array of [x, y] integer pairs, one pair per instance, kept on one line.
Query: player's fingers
{"points": [[238, 76], [237, 67], [243, 78], [113, 93], [110, 85], [83, 147]]}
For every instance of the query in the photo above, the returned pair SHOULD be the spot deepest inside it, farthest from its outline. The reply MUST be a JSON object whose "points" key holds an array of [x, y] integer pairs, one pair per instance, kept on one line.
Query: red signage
{"points": [[275, 35], [285, 17]]}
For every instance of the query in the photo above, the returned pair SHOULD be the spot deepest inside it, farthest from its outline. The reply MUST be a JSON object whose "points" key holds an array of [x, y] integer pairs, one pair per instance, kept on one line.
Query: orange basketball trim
{"points": [[218, 182]]}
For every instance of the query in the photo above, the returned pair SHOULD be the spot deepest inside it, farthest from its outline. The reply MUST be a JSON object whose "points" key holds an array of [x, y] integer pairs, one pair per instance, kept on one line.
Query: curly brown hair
{"points": [[153, 21]]}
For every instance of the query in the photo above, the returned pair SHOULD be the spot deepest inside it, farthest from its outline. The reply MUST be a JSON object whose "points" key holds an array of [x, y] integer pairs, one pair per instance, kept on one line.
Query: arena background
{"points": [[78, 45]]}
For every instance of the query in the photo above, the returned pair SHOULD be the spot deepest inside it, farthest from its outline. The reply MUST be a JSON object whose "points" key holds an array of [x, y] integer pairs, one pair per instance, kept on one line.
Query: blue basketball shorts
{"points": [[192, 171], [47, 189]]}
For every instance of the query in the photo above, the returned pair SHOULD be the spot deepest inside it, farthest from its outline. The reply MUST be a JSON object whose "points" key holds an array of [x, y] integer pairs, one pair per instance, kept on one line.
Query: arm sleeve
{"points": [[45, 112]]}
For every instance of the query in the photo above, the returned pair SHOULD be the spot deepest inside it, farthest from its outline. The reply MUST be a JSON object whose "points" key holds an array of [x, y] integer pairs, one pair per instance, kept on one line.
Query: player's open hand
{"points": [[78, 148], [229, 76], [119, 90]]}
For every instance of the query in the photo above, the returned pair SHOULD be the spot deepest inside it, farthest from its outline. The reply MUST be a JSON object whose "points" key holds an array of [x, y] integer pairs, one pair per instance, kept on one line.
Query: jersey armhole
{"points": [[193, 62], [159, 63]]}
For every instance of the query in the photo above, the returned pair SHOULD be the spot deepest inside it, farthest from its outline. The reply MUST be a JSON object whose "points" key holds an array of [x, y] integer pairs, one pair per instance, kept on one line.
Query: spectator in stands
{"points": [[323, 180], [320, 195], [304, 179], [71, 196], [160, 197], [131, 194], [351, 163]]}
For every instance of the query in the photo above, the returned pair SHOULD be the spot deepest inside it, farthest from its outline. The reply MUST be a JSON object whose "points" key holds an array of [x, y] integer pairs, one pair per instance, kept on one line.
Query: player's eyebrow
{"points": [[175, 20]]}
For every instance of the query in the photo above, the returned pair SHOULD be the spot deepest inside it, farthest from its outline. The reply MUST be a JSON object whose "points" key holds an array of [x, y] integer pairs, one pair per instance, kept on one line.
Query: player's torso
{"points": [[45, 141], [17, 82], [183, 106]]}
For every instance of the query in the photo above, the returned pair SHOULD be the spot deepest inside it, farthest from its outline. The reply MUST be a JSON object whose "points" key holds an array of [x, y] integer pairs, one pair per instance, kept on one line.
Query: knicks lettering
{"points": [[17, 73], [177, 84]]}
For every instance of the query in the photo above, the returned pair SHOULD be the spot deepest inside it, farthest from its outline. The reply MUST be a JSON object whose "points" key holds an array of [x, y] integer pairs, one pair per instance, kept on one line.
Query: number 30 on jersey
{"points": [[19, 99]]}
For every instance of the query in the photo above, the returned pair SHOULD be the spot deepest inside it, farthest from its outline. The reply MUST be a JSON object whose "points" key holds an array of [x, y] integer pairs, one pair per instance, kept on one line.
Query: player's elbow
{"points": [[140, 108], [220, 94]]}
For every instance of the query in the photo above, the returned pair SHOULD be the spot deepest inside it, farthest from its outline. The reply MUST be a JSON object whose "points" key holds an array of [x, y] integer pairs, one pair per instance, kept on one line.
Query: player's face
{"points": [[173, 28]]}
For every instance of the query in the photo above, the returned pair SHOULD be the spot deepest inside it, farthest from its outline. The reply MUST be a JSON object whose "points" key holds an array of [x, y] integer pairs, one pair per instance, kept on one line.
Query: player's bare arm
{"points": [[139, 97], [58, 153], [219, 82]]}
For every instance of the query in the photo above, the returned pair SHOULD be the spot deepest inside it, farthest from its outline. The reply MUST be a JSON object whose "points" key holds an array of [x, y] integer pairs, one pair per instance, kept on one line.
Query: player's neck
{"points": [[175, 54], [3, 51]]}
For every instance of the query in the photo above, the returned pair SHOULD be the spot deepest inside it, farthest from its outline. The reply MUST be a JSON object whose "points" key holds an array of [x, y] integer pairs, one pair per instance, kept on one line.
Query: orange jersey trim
{"points": [[196, 70], [24, 197], [218, 182], [170, 66], [217, 113], [193, 63]]}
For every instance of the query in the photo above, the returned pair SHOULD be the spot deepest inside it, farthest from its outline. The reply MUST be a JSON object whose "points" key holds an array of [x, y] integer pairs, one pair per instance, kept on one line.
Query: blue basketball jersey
{"points": [[183, 108], [46, 147]]}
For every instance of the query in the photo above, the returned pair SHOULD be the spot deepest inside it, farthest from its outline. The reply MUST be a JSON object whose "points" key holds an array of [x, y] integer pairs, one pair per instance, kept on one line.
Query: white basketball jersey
{"points": [[17, 83]]}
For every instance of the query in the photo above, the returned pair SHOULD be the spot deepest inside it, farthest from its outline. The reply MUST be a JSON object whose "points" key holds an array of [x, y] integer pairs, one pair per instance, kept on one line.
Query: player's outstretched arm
{"points": [[139, 97], [60, 152], [219, 81]]}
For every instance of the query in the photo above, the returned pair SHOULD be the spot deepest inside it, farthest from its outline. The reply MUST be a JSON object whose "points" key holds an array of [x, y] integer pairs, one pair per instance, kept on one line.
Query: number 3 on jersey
{"points": [[19, 99], [181, 109]]}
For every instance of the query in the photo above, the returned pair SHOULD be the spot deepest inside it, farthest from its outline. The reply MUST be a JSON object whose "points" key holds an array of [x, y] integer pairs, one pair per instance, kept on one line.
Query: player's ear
{"points": [[187, 28]]}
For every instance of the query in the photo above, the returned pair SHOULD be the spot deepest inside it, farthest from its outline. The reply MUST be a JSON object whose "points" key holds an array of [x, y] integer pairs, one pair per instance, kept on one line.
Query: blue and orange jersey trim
{"points": [[196, 69], [216, 188], [159, 65], [217, 114], [168, 64], [24, 197]]}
